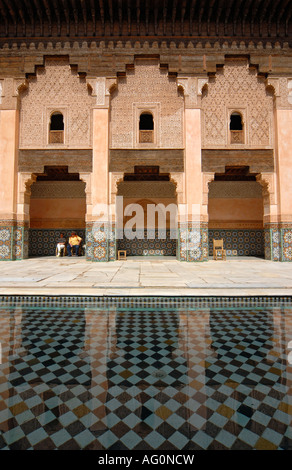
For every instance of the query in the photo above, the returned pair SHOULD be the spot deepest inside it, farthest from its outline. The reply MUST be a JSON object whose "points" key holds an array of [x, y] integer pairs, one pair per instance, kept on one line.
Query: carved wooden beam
{"points": [[227, 16], [58, 16], [264, 8], [173, 15], [147, 17], [30, 10], [164, 15], [210, 11], [138, 13], [156, 12], [201, 12], [40, 16], [75, 14], [84, 14], [110, 4], [288, 17], [101, 11], [235, 16], [284, 8], [67, 16], [129, 17], [244, 15], [21, 15], [120, 10], [93, 16], [255, 8], [192, 11], [271, 15], [48, 13], [4, 16], [218, 15], [12, 14], [182, 17]]}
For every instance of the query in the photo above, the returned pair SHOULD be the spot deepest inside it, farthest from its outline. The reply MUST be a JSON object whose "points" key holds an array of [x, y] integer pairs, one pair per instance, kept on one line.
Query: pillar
{"points": [[11, 233], [193, 219], [100, 231]]}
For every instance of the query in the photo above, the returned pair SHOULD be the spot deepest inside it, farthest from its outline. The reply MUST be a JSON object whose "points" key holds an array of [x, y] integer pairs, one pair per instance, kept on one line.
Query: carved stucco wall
{"points": [[237, 87], [147, 87], [56, 87]]}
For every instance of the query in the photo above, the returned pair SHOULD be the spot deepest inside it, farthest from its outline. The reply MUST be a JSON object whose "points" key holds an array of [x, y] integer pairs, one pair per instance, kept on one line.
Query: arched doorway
{"points": [[236, 211], [149, 219], [57, 204]]}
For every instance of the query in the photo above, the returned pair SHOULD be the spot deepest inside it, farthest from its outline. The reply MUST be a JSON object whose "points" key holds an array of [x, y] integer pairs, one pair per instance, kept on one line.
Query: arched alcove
{"points": [[56, 128]]}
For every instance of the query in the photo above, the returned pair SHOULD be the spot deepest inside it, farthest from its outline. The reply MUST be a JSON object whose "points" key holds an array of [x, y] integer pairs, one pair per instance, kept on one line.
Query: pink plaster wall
{"points": [[237, 210], [57, 213], [284, 154]]}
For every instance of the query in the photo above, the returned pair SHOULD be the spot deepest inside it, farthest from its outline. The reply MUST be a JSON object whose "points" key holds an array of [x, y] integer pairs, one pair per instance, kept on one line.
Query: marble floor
{"points": [[175, 374], [141, 276]]}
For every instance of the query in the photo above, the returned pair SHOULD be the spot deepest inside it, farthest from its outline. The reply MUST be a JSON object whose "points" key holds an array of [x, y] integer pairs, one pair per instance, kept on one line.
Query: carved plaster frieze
{"points": [[207, 178], [86, 178], [266, 180], [192, 88], [178, 180], [115, 179], [25, 180]]}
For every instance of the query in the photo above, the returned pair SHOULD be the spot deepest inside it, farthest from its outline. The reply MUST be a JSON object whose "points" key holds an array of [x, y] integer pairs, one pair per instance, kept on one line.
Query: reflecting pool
{"points": [[145, 373]]}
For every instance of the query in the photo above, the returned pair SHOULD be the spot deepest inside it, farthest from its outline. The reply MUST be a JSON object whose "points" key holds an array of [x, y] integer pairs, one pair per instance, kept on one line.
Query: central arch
{"points": [[149, 218]]}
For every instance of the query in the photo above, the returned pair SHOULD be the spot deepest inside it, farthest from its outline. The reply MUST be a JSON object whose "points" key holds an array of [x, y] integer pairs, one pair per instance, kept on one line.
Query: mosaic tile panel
{"points": [[146, 378], [193, 243], [100, 242], [6, 242], [149, 243], [21, 242], [286, 240], [42, 242], [239, 242]]}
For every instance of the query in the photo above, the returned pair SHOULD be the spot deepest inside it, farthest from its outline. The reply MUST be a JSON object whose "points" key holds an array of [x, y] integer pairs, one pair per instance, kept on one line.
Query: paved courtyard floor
{"points": [[145, 276]]}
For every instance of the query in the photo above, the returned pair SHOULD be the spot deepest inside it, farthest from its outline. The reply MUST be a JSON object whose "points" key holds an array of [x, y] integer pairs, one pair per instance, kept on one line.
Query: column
{"points": [[284, 161], [100, 230], [9, 125], [193, 219]]}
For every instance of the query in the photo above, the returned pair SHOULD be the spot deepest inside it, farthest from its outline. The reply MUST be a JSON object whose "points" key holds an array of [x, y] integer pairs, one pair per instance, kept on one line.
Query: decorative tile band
{"points": [[42, 242], [247, 242], [149, 243], [144, 302]]}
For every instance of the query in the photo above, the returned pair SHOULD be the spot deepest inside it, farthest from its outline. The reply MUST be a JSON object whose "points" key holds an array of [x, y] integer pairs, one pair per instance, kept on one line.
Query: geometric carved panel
{"points": [[55, 88], [146, 86], [237, 87]]}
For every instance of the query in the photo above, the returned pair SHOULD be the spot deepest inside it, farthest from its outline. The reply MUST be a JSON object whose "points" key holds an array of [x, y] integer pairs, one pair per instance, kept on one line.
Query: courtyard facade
{"points": [[149, 127]]}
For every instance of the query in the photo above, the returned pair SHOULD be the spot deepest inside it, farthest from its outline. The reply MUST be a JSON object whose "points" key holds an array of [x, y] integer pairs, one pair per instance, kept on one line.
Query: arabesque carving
{"points": [[237, 85], [55, 86]]}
